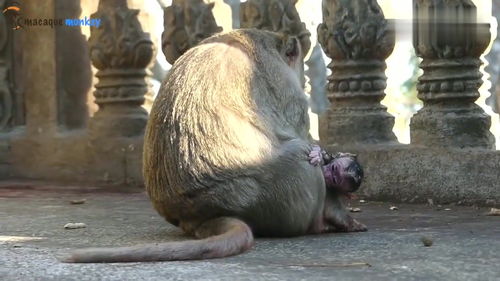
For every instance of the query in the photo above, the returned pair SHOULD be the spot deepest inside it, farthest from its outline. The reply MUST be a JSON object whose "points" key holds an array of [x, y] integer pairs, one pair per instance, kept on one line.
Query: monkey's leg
{"points": [[290, 192], [220, 237], [336, 217]]}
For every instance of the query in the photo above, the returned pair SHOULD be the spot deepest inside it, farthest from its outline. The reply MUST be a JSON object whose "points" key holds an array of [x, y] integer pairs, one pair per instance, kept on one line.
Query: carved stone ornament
{"points": [[450, 41], [358, 39], [275, 15], [186, 23], [493, 67], [121, 51]]}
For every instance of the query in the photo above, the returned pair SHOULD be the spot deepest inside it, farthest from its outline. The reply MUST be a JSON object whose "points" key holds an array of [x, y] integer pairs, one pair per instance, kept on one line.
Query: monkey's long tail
{"points": [[221, 237]]}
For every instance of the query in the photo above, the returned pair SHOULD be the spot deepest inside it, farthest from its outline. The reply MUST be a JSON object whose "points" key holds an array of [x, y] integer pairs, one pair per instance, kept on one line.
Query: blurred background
{"points": [[402, 66]]}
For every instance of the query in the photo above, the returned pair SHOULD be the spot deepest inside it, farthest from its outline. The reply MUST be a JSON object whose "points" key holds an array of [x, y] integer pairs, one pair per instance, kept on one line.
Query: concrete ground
{"points": [[466, 243]]}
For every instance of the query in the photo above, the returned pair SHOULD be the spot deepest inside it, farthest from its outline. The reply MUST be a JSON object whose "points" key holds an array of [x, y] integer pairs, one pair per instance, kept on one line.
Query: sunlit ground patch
{"points": [[10, 239]]}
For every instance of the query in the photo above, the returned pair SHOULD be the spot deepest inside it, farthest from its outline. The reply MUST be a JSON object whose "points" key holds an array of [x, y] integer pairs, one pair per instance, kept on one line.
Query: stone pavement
{"points": [[466, 243]]}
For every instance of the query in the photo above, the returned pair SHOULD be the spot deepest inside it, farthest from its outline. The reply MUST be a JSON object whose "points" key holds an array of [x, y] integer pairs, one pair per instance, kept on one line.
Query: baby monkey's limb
{"points": [[336, 217], [320, 156]]}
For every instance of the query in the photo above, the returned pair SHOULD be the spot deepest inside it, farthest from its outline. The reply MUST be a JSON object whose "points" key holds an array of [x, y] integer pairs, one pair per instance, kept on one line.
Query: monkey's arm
{"points": [[320, 156]]}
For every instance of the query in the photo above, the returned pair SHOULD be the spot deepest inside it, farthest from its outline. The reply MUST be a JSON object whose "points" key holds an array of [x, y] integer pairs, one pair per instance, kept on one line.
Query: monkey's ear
{"points": [[292, 48]]}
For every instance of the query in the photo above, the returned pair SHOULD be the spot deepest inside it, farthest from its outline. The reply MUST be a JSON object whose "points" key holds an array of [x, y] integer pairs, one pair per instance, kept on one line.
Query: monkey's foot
{"points": [[315, 155], [356, 226]]}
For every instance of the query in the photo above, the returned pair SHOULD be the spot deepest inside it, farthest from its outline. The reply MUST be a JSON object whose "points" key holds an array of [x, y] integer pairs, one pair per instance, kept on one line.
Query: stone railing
{"points": [[451, 157]]}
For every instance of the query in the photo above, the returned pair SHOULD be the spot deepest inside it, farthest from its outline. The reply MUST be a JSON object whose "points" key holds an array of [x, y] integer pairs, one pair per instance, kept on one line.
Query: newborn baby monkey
{"points": [[227, 153], [343, 174]]}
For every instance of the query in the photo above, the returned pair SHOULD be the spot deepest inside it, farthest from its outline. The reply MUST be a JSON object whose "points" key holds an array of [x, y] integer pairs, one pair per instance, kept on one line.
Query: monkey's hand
{"points": [[315, 156]]}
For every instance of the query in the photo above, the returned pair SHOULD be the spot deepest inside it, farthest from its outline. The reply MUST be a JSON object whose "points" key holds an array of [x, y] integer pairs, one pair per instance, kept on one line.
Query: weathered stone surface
{"points": [[465, 243], [121, 51], [44, 148], [6, 98], [44, 151], [358, 39], [275, 15], [415, 174], [151, 18], [398, 173], [40, 81], [187, 22], [76, 157], [74, 74], [450, 42]]}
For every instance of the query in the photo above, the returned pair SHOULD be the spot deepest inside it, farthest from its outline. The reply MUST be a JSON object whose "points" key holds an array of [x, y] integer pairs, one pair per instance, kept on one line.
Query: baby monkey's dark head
{"points": [[346, 174]]}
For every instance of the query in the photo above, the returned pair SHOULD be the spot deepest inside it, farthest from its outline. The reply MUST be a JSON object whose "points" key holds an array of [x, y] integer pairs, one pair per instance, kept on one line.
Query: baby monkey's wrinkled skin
{"points": [[228, 155], [342, 172]]}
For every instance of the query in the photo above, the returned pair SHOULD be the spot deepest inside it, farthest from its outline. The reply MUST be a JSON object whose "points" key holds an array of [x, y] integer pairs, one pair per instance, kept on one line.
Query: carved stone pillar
{"points": [[358, 39], [449, 40], [6, 101], [74, 73], [121, 51], [40, 70], [277, 16], [186, 23], [494, 64]]}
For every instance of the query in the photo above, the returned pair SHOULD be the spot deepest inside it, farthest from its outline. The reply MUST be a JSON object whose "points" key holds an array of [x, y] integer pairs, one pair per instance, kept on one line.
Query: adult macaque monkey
{"points": [[227, 153]]}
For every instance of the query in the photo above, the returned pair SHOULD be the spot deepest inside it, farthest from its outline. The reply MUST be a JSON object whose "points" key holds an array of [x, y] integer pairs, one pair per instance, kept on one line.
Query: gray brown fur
{"points": [[226, 151]]}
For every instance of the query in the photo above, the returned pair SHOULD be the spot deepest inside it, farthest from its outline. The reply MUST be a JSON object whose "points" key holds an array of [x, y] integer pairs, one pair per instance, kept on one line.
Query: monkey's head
{"points": [[346, 174], [273, 45]]}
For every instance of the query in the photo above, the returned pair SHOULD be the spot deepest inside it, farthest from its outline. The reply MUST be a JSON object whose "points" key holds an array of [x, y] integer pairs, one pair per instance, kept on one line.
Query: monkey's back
{"points": [[208, 136]]}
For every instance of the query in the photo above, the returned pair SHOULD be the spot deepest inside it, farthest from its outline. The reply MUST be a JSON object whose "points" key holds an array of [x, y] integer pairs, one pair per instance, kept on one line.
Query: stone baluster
{"points": [[450, 41], [494, 63], [121, 51], [186, 23], [358, 39], [6, 100], [277, 16], [39, 70]]}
